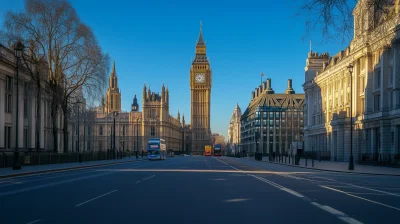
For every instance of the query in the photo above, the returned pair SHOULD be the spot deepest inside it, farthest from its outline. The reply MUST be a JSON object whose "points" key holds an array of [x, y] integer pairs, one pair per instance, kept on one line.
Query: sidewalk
{"points": [[27, 170], [341, 167]]}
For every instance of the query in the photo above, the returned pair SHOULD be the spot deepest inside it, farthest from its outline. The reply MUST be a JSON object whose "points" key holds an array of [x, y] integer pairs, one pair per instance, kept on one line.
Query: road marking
{"points": [[37, 220], [227, 164], [51, 184], [350, 220], [95, 198], [385, 192], [145, 179], [193, 170], [337, 213], [236, 200], [292, 192], [217, 179], [375, 202]]}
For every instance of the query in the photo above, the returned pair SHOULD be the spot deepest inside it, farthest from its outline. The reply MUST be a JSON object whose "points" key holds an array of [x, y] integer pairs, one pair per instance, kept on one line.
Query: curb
{"points": [[63, 169], [336, 171]]}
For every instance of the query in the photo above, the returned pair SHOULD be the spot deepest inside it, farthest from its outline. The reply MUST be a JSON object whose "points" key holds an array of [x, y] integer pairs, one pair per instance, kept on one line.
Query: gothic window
{"points": [[112, 102], [112, 83], [377, 78], [101, 130], [153, 131]]}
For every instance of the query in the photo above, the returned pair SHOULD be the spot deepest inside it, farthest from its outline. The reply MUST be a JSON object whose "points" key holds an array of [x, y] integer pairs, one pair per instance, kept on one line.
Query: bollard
{"points": [[289, 158], [306, 159], [312, 160], [285, 158]]}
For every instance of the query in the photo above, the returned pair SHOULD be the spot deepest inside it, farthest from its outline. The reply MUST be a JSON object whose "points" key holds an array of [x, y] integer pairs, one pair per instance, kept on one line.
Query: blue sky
{"points": [[153, 41]]}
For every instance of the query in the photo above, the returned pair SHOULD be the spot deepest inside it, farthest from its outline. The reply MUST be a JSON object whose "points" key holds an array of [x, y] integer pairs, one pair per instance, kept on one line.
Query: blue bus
{"points": [[156, 149]]}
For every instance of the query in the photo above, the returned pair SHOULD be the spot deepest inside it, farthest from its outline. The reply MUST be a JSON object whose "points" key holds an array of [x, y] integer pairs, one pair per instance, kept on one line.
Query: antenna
{"points": [[310, 46]]}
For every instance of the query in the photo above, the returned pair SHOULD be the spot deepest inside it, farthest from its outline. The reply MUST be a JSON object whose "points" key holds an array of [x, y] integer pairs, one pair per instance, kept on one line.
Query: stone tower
{"points": [[113, 95], [200, 91]]}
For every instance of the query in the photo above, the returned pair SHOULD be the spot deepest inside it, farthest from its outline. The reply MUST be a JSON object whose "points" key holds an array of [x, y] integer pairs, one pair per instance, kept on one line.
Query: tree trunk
{"points": [[65, 128]]}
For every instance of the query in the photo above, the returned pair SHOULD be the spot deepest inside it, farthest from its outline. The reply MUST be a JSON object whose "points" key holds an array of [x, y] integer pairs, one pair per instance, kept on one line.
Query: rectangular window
{"points": [[390, 76], [153, 131], [123, 130], [7, 137], [377, 79], [101, 130], [8, 96], [377, 104]]}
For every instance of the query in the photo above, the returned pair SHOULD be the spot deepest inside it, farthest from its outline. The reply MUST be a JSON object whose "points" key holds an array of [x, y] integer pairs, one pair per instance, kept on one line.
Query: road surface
{"points": [[197, 189]]}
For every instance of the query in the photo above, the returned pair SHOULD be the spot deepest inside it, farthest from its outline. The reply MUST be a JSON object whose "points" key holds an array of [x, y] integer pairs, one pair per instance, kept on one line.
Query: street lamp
{"points": [[18, 48], [351, 162], [137, 137]]}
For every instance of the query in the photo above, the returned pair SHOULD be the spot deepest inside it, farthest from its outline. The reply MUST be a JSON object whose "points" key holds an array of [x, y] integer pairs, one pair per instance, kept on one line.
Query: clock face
{"points": [[200, 78]]}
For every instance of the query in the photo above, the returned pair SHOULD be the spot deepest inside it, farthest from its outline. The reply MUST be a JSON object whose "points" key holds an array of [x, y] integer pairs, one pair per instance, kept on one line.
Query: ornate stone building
{"points": [[28, 136], [134, 128], [200, 92], [113, 95], [371, 89], [234, 130], [272, 121]]}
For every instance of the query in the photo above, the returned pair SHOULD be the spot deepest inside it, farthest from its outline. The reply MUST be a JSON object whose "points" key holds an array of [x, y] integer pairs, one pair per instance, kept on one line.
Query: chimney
{"points": [[289, 89], [269, 89], [253, 95]]}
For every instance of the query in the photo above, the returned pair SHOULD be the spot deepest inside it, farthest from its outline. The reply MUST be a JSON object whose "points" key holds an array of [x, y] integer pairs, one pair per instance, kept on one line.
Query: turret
{"points": [[289, 89]]}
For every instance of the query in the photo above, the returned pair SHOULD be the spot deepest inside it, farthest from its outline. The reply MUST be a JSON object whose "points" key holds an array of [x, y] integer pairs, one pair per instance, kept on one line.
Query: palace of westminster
{"points": [[351, 103]]}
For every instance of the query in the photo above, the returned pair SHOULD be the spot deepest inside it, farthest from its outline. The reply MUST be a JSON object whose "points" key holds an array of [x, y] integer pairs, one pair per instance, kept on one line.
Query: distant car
{"points": [[183, 154]]}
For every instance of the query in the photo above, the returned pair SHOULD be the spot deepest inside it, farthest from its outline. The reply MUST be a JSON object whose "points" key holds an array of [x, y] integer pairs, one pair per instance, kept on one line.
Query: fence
{"points": [[380, 159], [29, 158]]}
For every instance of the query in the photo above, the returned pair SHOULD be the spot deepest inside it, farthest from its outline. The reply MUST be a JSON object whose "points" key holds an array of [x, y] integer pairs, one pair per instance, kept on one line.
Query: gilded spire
{"points": [[200, 41]]}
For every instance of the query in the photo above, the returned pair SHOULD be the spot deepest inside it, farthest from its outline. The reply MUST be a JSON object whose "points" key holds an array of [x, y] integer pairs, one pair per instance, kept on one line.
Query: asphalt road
{"points": [[199, 190]]}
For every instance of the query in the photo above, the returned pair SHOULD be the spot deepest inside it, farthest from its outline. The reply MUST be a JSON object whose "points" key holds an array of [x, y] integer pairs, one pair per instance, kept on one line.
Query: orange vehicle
{"points": [[207, 150]]}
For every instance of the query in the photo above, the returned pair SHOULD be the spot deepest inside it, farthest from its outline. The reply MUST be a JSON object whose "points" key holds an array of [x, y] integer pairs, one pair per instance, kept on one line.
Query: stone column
{"points": [[42, 144], [2, 111], [32, 122], [386, 136]]}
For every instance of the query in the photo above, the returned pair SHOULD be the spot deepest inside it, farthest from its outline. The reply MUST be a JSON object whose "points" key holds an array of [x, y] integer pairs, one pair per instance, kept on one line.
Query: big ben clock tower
{"points": [[200, 92]]}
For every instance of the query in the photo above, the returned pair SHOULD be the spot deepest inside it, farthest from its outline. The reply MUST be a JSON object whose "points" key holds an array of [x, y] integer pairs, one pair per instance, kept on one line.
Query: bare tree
{"points": [[73, 56], [334, 18]]}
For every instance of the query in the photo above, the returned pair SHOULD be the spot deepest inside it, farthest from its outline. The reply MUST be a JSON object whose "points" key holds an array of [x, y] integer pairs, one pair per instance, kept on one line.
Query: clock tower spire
{"points": [[200, 91]]}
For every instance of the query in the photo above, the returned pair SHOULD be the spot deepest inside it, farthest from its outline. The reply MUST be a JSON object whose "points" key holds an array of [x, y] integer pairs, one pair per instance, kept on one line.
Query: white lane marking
{"points": [[236, 200], [226, 164], [350, 220], [217, 179], [278, 186], [385, 192], [145, 179], [368, 193], [95, 198], [51, 184], [337, 213], [35, 221], [292, 192], [375, 202]]}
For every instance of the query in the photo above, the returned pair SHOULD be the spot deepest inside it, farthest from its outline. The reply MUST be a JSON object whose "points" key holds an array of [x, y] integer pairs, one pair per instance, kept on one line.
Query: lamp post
{"points": [[351, 162], [137, 137], [18, 48]]}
